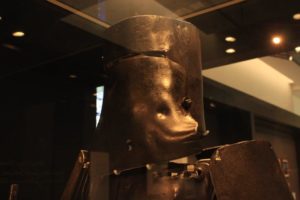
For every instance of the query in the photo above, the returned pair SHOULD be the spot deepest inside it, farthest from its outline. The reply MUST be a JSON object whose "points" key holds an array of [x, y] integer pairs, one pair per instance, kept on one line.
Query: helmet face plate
{"points": [[153, 107]]}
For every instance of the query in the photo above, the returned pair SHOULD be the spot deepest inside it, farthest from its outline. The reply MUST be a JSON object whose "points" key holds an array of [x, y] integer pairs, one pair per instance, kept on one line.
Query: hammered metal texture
{"points": [[153, 104], [146, 184], [248, 171]]}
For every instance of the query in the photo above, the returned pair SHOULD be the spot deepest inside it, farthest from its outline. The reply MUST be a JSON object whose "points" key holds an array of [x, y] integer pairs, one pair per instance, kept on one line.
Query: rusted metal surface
{"points": [[248, 171], [77, 185], [178, 182], [13, 192], [153, 113], [153, 109]]}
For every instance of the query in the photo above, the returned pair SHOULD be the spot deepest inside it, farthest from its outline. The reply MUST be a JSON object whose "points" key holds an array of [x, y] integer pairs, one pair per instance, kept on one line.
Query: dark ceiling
{"points": [[53, 49]]}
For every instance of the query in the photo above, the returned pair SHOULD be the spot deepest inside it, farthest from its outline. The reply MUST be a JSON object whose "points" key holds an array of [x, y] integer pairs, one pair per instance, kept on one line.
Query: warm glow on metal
{"points": [[18, 34], [230, 39], [297, 49], [231, 50], [296, 16], [276, 40], [166, 82]]}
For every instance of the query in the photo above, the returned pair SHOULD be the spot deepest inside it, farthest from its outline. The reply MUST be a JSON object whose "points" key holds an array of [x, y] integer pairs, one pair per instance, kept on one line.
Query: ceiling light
{"points": [[11, 46], [290, 58], [230, 39], [297, 49], [18, 34], [231, 50], [276, 40], [72, 76], [296, 16], [212, 105]]}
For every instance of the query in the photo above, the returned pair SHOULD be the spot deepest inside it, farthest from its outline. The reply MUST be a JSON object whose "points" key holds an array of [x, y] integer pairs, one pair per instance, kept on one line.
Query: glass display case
{"points": [[161, 99]]}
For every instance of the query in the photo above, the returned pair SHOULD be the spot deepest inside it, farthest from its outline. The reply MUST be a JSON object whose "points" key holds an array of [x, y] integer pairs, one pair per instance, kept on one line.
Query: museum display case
{"points": [[155, 99]]}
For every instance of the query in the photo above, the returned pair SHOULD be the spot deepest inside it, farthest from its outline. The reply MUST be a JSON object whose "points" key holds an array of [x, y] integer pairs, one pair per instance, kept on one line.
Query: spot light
{"points": [[296, 16], [212, 105], [230, 39], [230, 50], [73, 76], [18, 34], [290, 58], [11, 46], [297, 49], [276, 40]]}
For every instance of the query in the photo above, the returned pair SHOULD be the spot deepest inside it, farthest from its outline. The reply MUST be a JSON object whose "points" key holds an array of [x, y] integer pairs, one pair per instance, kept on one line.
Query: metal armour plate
{"points": [[142, 184], [248, 171]]}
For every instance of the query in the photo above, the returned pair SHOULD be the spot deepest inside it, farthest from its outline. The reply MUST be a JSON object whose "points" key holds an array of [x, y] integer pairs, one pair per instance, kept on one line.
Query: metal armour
{"points": [[164, 184], [153, 104], [249, 171]]}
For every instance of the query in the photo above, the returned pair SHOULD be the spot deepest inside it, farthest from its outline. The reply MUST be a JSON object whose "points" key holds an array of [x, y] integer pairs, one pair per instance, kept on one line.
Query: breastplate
{"points": [[177, 182]]}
